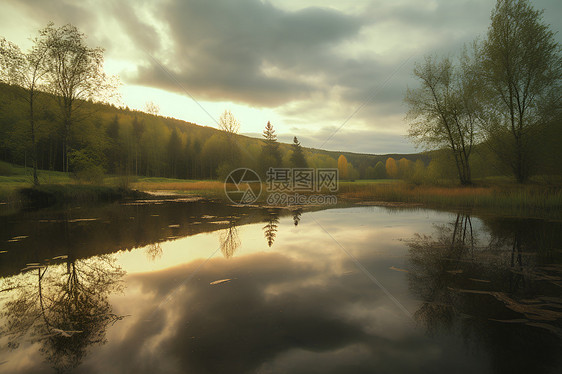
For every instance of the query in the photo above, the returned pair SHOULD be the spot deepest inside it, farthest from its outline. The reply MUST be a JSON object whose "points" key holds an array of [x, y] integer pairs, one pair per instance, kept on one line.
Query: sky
{"points": [[331, 72]]}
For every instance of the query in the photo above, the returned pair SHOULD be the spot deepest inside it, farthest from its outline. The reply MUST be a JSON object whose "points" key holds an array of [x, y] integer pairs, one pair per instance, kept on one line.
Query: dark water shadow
{"points": [[499, 287]]}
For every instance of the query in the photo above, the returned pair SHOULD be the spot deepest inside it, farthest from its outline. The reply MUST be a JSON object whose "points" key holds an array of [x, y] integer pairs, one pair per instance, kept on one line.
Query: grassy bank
{"points": [[16, 188], [13, 178], [58, 194], [500, 195], [510, 198]]}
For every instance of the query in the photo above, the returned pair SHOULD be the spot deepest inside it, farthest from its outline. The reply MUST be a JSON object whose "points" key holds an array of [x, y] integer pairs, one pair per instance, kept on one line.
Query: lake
{"points": [[201, 287]]}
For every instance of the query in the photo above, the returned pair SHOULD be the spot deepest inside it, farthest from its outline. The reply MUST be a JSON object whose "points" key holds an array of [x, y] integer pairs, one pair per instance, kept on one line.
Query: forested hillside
{"points": [[111, 140]]}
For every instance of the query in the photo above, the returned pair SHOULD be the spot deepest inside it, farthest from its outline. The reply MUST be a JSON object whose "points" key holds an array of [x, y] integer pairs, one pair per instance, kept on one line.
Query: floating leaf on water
{"points": [[398, 269], [221, 281], [20, 237], [3, 252], [82, 220], [460, 271], [208, 217], [480, 280], [33, 264], [33, 267], [60, 257]]}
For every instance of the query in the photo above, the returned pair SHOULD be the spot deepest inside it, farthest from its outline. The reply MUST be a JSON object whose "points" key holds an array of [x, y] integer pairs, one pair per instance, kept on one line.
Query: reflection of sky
{"points": [[299, 306]]}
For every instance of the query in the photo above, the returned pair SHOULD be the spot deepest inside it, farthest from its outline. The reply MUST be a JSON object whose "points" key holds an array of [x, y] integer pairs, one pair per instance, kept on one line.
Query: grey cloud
{"points": [[222, 48], [142, 33], [252, 52]]}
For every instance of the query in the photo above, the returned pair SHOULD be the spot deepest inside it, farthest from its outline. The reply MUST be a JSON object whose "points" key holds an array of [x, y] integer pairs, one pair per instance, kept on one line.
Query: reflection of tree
{"points": [[435, 262], [270, 230], [154, 251], [64, 308], [229, 240], [297, 216], [491, 292]]}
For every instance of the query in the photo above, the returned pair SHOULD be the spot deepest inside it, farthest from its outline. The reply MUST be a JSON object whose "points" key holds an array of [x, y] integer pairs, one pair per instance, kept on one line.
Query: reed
{"points": [[514, 198]]}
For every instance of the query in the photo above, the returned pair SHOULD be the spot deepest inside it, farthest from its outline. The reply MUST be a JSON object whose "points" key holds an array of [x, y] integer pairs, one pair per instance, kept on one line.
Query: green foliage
{"points": [[379, 171], [51, 194], [297, 156], [444, 110], [522, 76], [86, 166]]}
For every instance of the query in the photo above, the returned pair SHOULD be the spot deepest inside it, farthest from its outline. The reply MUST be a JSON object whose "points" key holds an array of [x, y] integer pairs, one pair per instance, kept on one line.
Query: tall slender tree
{"points": [[75, 75], [25, 70], [270, 154], [230, 125], [343, 167], [522, 67], [443, 112]]}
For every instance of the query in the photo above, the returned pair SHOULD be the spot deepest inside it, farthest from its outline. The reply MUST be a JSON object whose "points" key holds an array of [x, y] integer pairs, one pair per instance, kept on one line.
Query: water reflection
{"points": [[32, 236], [64, 307], [229, 240], [500, 292], [486, 290], [270, 229], [154, 251], [297, 216]]}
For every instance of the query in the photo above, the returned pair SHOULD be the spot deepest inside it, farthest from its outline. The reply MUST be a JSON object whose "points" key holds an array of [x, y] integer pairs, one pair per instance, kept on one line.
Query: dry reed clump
{"points": [[520, 198]]}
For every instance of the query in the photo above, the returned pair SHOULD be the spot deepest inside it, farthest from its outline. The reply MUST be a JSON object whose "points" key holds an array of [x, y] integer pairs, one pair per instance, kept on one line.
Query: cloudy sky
{"points": [[331, 72]]}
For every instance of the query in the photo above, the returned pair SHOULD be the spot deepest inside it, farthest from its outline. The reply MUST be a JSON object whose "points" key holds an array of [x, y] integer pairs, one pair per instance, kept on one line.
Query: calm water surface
{"points": [[184, 287]]}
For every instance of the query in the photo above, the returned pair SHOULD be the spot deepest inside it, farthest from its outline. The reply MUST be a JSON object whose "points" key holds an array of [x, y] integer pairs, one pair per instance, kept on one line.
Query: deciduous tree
{"points": [[444, 112], [25, 70], [343, 167], [75, 74], [522, 67], [391, 168]]}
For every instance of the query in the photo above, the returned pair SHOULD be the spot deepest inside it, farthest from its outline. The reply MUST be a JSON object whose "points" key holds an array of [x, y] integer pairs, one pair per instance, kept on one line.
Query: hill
{"points": [[107, 139]]}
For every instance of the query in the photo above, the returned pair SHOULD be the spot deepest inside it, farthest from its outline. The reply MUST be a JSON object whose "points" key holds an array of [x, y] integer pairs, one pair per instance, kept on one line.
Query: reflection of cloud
{"points": [[277, 313]]}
